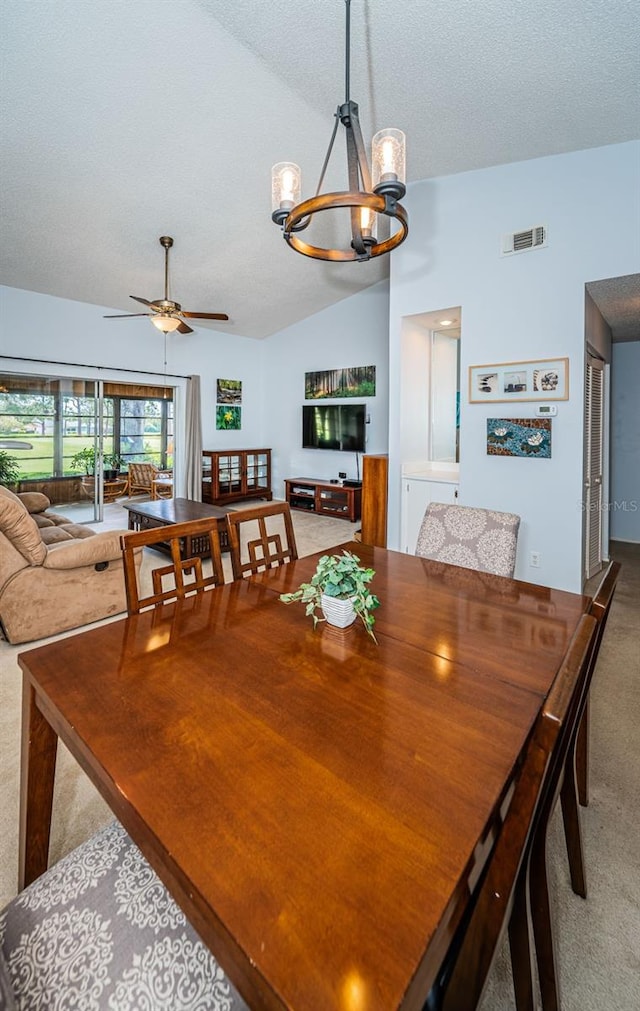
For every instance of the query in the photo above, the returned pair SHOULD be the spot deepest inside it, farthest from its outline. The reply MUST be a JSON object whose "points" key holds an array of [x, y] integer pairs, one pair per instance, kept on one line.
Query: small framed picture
{"points": [[540, 379], [527, 437], [228, 418]]}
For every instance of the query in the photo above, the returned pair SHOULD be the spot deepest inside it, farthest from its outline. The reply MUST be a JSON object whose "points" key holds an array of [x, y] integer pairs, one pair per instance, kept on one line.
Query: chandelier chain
{"points": [[347, 61], [371, 192]]}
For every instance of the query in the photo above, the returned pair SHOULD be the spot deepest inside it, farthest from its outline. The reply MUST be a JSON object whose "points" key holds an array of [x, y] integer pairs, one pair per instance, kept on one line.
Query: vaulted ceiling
{"points": [[125, 121]]}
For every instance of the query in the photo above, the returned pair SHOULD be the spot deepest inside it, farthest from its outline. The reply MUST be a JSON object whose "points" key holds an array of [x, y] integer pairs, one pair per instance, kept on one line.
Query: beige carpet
{"points": [[598, 941]]}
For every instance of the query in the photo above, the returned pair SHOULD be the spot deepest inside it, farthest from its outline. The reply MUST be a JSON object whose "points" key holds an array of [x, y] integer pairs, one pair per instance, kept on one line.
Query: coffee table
{"points": [[165, 512]]}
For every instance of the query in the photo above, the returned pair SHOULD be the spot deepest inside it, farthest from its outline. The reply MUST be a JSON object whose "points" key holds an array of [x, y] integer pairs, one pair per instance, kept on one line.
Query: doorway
{"points": [[594, 414]]}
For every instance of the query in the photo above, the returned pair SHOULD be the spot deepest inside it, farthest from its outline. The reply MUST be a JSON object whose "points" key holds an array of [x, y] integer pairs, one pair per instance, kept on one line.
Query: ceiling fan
{"points": [[167, 315]]}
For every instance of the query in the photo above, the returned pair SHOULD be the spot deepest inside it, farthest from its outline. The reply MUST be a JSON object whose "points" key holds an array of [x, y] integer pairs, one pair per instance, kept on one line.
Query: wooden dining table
{"points": [[319, 804]]}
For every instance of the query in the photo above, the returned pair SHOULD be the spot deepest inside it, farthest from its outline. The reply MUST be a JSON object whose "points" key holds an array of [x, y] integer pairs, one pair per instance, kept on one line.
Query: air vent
{"points": [[521, 242]]}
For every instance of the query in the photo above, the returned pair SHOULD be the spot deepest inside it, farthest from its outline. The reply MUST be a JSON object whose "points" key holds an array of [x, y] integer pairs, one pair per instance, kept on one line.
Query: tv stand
{"points": [[324, 497]]}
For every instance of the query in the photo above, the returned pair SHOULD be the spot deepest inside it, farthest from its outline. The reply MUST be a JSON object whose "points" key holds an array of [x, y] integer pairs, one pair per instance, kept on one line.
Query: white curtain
{"points": [[193, 441]]}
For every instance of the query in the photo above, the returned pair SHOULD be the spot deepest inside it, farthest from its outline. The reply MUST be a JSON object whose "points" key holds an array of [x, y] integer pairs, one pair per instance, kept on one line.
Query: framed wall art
{"points": [[359, 381], [228, 391], [228, 418], [541, 379], [528, 437]]}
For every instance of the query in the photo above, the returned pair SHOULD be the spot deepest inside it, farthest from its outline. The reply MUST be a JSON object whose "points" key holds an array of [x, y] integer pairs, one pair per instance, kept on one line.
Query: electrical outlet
{"points": [[534, 559]]}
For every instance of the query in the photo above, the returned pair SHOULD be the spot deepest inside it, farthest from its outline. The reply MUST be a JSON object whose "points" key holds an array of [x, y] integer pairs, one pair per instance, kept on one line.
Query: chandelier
{"points": [[364, 200]]}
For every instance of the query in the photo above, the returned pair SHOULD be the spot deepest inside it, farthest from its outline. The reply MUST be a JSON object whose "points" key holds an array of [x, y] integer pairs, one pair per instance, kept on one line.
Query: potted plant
{"points": [[112, 464], [339, 588], [9, 469], [84, 460]]}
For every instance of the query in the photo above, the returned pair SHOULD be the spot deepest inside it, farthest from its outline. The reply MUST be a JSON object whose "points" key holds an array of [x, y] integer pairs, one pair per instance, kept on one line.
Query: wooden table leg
{"points": [[38, 767]]}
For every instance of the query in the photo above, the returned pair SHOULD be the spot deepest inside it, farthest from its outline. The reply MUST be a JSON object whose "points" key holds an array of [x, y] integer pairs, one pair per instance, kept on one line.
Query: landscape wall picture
{"points": [[355, 382], [228, 391]]}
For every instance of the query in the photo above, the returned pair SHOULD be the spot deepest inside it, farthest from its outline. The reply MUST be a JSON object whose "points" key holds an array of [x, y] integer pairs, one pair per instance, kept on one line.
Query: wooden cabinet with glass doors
{"points": [[229, 475]]}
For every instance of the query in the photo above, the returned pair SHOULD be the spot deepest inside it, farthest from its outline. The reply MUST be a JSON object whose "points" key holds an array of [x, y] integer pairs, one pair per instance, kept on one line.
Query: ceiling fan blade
{"points": [[143, 300], [183, 328], [128, 315], [204, 315]]}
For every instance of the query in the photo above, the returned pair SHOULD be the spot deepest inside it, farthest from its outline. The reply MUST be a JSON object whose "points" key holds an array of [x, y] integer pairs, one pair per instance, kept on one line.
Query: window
{"points": [[145, 430], [29, 416], [59, 418], [78, 427]]}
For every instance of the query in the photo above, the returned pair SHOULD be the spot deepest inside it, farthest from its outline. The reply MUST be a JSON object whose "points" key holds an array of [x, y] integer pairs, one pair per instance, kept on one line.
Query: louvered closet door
{"points": [[594, 433]]}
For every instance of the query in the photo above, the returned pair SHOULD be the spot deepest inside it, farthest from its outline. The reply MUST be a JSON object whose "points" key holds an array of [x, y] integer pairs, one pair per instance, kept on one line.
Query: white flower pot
{"points": [[337, 611]]}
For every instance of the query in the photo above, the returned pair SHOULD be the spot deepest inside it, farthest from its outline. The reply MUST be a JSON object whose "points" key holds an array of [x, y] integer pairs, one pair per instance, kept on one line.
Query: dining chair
{"points": [[600, 608], [274, 545], [481, 539], [100, 930], [564, 784], [186, 543], [499, 900]]}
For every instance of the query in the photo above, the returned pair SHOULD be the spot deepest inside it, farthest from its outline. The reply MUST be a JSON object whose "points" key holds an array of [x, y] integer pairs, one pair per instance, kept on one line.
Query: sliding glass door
{"points": [[50, 428], [73, 439]]}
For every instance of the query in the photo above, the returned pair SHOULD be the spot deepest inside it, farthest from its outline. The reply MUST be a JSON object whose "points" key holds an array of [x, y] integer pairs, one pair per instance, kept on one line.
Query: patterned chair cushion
{"points": [[479, 539], [99, 931]]}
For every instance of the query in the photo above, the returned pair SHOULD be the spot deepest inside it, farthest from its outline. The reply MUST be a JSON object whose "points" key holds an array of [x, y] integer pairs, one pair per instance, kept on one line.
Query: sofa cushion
{"points": [[78, 531], [34, 501], [66, 532], [55, 518], [41, 520], [78, 551], [54, 535], [20, 528]]}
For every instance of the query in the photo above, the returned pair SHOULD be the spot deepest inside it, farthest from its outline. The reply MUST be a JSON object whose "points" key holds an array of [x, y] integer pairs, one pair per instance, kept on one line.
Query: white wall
{"points": [[526, 306], [624, 516], [353, 332], [42, 327]]}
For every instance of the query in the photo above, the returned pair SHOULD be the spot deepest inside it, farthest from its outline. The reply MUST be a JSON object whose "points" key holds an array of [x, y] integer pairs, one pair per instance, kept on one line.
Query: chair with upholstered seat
{"points": [[274, 545], [481, 539], [186, 543], [100, 930]]}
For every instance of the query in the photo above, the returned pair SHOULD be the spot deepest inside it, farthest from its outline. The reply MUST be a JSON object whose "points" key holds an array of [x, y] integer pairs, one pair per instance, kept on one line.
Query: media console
{"points": [[324, 497]]}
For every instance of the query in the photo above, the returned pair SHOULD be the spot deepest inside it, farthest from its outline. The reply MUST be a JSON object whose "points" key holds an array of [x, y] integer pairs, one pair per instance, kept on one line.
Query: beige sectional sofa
{"points": [[54, 574]]}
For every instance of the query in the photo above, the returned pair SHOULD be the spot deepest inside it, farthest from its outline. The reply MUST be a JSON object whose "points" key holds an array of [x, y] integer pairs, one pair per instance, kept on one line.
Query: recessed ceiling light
{"points": [[446, 322]]}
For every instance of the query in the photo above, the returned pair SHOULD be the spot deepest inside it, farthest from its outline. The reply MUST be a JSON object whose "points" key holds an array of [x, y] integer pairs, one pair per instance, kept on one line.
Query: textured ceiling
{"points": [[618, 299], [124, 121]]}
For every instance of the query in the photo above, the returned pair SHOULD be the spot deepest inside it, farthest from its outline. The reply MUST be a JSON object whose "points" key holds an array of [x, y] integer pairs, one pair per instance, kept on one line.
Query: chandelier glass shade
{"points": [[369, 194]]}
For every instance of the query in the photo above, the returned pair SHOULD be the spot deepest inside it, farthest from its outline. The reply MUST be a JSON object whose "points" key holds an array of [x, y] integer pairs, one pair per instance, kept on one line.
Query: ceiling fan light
{"points": [[165, 323], [388, 158]]}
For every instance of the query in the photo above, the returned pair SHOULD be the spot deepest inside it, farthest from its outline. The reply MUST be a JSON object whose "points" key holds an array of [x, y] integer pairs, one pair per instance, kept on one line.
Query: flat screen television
{"points": [[334, 426]]}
